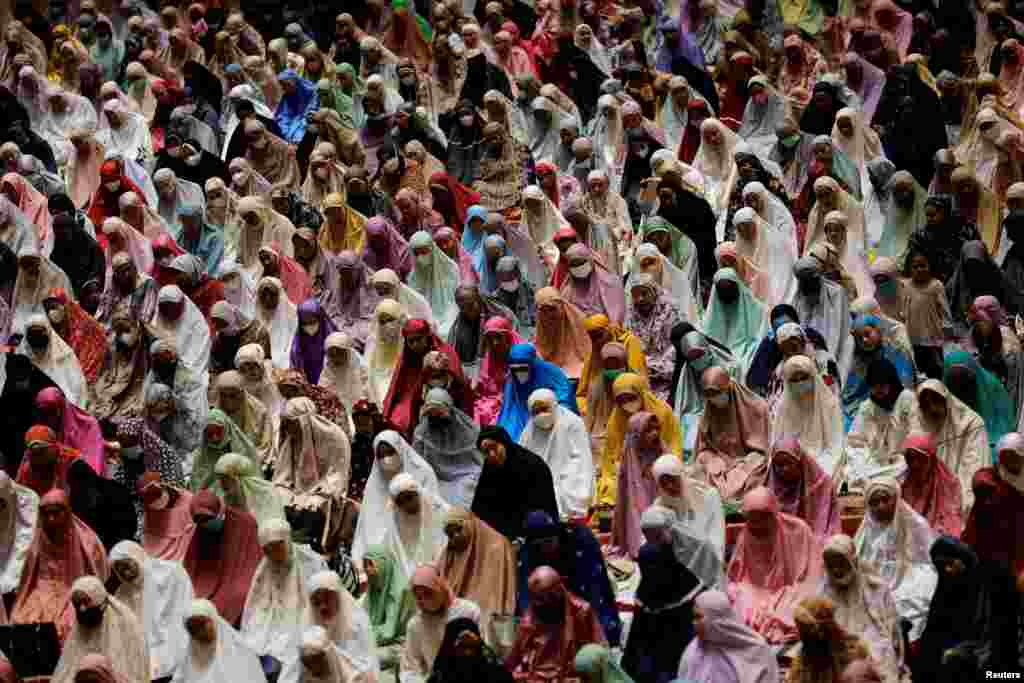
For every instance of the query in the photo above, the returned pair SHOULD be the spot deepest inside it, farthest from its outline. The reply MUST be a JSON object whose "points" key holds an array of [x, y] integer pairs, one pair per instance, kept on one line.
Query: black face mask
{"points": [[549, 614], [437, 421], [164, 369], [887, 402], [38, 341], [90, 616], [809, 285]]}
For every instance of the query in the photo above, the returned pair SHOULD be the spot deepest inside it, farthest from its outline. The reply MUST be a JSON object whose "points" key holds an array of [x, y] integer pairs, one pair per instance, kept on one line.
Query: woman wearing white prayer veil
{"points": [[332, 608], [261, 225], [103, 625], [674, 114], [829, 196], [678, 284], [344, 372], [216, 653], [18, 519], [560, 438], [544, 136], [158, 592], [65, 112], [272, 619], [392, 456], [809, 410], [37, 276], [858, 141], [609, 137], [772, 210], [769, 251], [415, 534], [321, 661], [281, 318], [257, 380], [124, 133], [715, 161], [175, 194], [896, 541], [384, 347], [389, 286], [541, 216], [52, 355], [764, 113], [179, 319]]}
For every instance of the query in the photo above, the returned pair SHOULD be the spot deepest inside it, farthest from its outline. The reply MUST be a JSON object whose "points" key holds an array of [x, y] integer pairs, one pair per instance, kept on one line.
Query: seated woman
{"points": [[62, 550], [73, 427], [415, 527], [231, 331], [995, 527], [593, 290], [664, 622], [870, 346], [982, 392], [972, 620], [698, 523], [735, 317], [725, 649], [314, 457], [499, 335], [463, 651], [809, 410], [559, 437], [46, 462], [332, 607], [392, 456], [479, 564], [248, 413], [963, 443], [222, 554], [561, 337], [271, 621], [637, 487], [770, 354], [216, 651], [776, 563], [732, 434], [446, 438], [158, 592], [880, 425], [166, 520], [117, 391], [995, 345], [527, 373], [436, 606], [388, 602], [695, 352], [863, 604], [651, 315], [929, 488], [572, 550], [896, 541], [603, 331], [802, 488]]}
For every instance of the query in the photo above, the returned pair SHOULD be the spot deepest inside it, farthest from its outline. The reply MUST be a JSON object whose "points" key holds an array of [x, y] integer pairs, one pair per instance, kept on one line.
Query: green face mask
{"points": [[790, 142], [611, 375]]}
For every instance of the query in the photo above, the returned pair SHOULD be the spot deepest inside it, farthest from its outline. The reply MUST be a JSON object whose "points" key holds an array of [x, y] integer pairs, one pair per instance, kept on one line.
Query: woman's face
{"points": [[786, 467], [835, 232], [712, 136], [845, 126], [325, 604]]}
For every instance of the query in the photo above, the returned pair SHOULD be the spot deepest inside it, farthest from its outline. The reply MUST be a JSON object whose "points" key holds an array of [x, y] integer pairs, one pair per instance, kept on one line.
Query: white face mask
{"points": [[719, 401], [522, 376], [582, 271], [510, 286], [114, 186], [56, 316], [634, 406], [544, 421], [194, 159], [423, 260], [311, 328], [467, 120]]}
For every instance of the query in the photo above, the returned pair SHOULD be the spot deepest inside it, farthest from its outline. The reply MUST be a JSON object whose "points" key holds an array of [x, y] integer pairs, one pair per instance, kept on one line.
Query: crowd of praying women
{"points": [[613, 341]]}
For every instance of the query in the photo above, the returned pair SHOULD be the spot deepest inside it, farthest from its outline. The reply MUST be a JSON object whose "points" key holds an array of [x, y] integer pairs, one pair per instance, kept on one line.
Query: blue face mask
{"points": [[801, 388], [214, 526]]}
